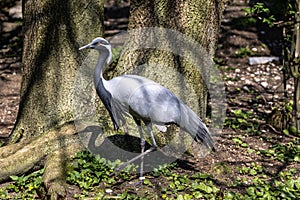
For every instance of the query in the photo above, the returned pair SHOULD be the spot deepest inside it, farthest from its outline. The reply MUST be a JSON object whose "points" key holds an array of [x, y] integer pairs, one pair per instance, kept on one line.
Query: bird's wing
{"points": [[119, 112], [140, 95], [155, 103]]}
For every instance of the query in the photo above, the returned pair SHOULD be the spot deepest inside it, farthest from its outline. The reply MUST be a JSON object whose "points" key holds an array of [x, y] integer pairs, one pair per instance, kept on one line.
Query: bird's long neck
{"points": [[100, 82], [100, 67]]}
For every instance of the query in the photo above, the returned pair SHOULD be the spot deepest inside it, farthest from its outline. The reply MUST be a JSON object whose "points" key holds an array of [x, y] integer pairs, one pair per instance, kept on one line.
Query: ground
{"points": [[251, 138]]}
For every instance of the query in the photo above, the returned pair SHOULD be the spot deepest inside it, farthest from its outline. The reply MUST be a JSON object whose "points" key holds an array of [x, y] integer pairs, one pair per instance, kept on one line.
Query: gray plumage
{"points": [[145, 100]]}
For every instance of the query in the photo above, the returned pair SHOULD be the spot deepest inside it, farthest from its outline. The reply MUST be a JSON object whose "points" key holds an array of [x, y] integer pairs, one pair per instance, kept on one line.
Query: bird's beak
{"points": [[84, 47]]}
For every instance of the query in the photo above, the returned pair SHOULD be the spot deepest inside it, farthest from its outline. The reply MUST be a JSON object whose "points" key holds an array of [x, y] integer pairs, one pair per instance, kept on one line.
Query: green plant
{"points": [[88, 170], [3, 193], [242, 120], [253, 170], [239, 142], [262, 12], [129, 196], [184, 187], [285, 186], [284, 152], [163, 170], [27, 186], [244, 52]]}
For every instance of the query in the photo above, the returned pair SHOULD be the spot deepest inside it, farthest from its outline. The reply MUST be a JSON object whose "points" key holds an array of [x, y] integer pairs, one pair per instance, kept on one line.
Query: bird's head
{"points": [[101, 45]]}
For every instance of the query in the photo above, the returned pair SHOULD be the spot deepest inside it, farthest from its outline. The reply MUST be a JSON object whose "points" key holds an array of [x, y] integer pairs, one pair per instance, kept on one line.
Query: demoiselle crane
{"points": [[145, 100]]}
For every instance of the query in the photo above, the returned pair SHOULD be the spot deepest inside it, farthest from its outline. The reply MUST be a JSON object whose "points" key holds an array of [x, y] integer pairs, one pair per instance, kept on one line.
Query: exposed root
{"points": [[54, 175], [59, 142], [11, 149]]}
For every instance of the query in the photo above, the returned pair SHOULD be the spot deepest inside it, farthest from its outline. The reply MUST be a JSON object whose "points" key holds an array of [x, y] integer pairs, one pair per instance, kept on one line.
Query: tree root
{"points": [[56, 145], [54, 175]]}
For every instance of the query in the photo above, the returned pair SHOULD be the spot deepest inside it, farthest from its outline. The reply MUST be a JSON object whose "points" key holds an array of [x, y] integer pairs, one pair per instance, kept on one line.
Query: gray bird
{"points": [[146, 101]]}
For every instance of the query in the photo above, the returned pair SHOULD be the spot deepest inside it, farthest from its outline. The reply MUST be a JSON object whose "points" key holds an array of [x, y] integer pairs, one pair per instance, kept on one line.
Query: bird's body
{"points": [[142, 98], [145, 100]]}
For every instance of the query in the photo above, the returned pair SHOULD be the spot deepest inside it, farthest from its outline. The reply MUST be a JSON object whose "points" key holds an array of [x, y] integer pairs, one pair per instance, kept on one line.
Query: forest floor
{"points": [[251, 148]]}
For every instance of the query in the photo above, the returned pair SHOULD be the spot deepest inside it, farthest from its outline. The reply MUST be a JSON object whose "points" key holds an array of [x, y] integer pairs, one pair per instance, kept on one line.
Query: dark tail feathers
{"points": [[192, 124]]}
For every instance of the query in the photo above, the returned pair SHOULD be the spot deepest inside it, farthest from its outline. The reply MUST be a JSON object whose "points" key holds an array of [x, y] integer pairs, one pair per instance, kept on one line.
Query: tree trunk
{"points": [[198, 20], [178, 52], [296, 74], [54, 30]]}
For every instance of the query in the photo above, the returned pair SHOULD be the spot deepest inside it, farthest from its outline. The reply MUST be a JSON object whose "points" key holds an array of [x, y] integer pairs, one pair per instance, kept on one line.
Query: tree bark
{"points": [[197, 21], [54, 30]]}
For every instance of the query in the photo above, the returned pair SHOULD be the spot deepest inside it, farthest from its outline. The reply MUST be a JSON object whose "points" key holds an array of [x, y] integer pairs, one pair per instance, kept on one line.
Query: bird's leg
{"points": [[153, 148], [138, 122], [149, 126], [142, 151], [133, 159]]}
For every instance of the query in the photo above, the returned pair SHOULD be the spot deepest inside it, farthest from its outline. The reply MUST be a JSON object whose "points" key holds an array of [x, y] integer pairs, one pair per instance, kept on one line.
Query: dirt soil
{"points": [[255, 88], [10, 64]]}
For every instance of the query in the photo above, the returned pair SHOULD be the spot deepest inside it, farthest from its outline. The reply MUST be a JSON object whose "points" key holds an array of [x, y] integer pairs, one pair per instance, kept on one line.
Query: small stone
{"points": [[257, 79], [248, 82], [254, 49], [277, 78], [245, 88], [264, 84], [108, 191]]}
